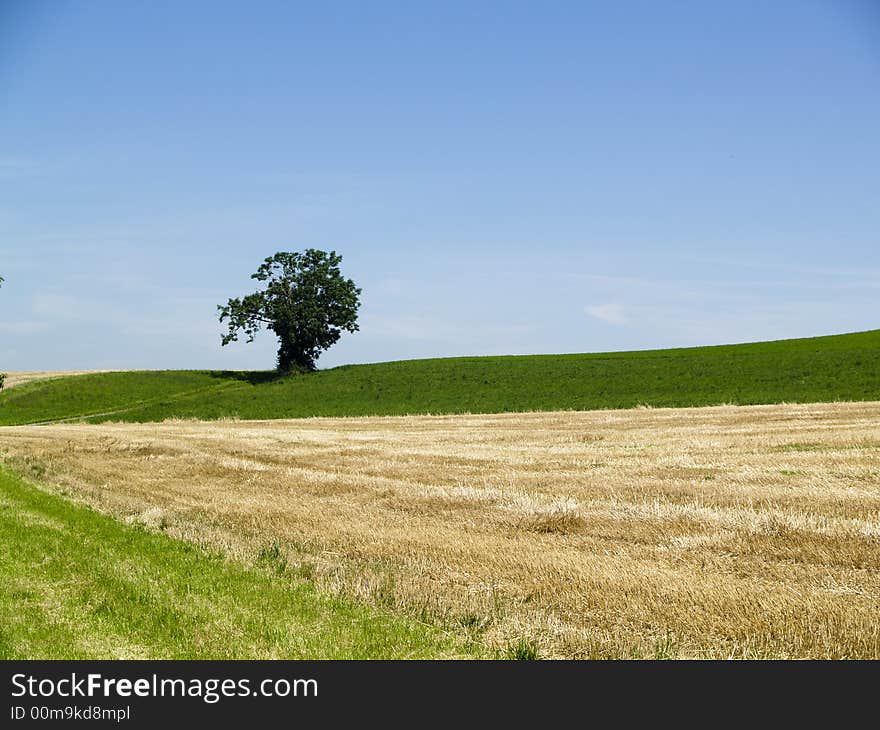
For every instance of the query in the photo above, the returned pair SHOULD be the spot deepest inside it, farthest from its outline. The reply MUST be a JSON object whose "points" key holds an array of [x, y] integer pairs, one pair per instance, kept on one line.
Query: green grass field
{"points": [[840, 367], [75, 584]]}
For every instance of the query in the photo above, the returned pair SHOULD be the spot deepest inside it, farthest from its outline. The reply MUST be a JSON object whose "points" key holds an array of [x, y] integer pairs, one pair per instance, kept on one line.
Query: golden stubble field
{"points": [[20, 377], [713, 532]]}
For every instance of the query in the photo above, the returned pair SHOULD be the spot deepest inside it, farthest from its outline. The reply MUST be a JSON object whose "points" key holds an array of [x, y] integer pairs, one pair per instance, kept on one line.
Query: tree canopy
{"points": [[306, 302]]}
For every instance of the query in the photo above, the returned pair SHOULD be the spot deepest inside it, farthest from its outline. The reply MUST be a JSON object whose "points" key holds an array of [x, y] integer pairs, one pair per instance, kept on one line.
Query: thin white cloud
{"points": [[24, 328], [61, 307], [416, 327], [610, 313]]}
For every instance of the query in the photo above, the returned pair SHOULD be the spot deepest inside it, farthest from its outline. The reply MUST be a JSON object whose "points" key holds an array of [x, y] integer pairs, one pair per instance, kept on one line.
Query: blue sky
{"points": [[511, 177]]}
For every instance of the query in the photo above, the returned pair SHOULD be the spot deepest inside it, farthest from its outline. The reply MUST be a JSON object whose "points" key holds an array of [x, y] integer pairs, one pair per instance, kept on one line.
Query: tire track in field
{"points": [[136, 406]]}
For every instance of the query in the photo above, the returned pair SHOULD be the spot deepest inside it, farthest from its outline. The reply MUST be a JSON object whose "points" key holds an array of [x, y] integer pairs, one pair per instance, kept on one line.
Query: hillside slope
{"points": [[839, 367], [20, 377]]}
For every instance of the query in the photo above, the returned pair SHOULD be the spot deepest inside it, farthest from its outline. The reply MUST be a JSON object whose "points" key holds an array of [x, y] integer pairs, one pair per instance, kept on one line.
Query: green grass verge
{"points": [[76, 584], [840, 367]]}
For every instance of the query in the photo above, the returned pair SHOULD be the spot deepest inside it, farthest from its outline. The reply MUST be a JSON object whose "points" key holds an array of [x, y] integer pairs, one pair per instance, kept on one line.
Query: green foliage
{"points": [[842, 367], [75, 584], [306, 302], [522, 650]]}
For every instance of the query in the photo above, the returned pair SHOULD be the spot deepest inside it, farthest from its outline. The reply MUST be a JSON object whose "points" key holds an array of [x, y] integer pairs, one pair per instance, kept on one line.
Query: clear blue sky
{"points": [[510, 177]]}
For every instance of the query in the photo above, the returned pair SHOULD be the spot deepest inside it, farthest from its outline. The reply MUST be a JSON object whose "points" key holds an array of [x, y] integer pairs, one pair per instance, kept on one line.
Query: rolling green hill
{"points": [[839, 367]]}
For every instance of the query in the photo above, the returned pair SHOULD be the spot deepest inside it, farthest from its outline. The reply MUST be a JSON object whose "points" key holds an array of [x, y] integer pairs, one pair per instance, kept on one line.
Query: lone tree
{"points": [[307, 303]]}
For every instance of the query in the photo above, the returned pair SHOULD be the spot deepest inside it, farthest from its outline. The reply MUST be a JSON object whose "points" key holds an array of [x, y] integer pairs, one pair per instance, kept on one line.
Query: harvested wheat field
{"points": [[713, 532], [20, 377]]}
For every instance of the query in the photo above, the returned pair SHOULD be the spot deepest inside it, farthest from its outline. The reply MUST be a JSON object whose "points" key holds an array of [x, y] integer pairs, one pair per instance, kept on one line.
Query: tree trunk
{"points": [[292, 359]]}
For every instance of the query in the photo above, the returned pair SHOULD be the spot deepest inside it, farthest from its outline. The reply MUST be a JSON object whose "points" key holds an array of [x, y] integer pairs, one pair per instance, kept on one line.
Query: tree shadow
{"points": [[254, 377]]}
